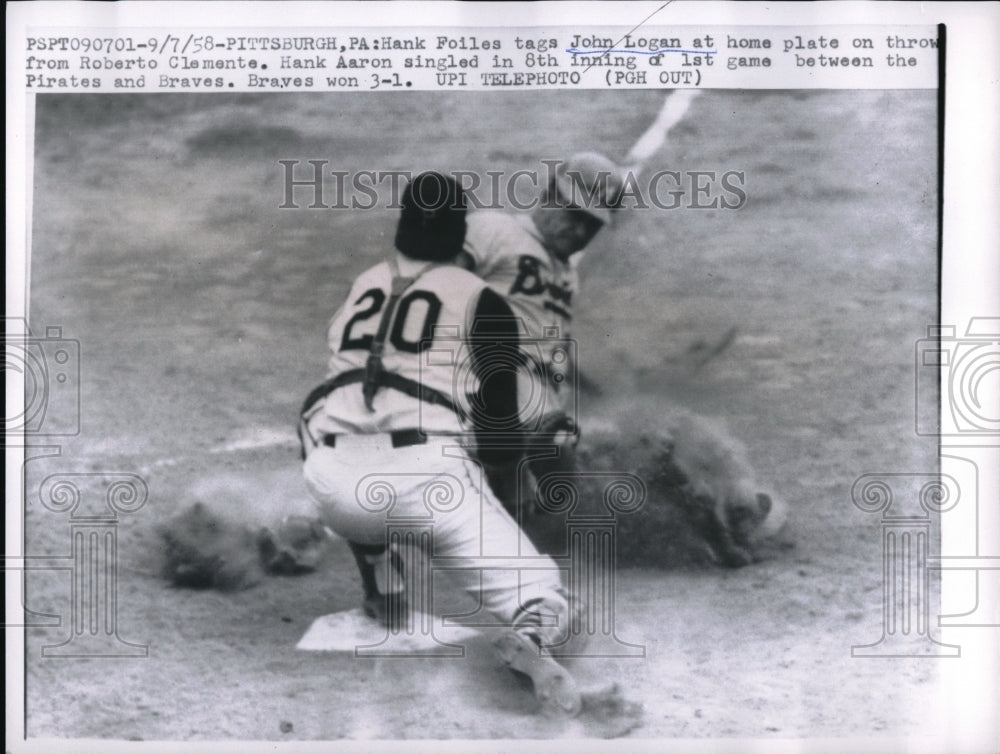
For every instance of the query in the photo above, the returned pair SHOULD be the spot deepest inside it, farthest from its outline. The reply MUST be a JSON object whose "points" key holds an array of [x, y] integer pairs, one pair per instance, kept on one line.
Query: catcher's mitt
{"points": [[298, 545]]}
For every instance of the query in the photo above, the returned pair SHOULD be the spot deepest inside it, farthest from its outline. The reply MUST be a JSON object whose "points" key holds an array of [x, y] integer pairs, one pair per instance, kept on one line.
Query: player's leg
{"points": [[551, 462], [332, 475], [549, 441], [521, 588]]}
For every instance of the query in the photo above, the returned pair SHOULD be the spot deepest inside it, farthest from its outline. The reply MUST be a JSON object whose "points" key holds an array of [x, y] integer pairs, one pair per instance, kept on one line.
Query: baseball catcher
{"points": [[384, 434]]}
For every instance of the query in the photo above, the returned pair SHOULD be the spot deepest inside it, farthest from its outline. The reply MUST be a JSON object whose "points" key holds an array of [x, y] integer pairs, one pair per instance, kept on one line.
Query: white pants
{"points": [[365, 488]]}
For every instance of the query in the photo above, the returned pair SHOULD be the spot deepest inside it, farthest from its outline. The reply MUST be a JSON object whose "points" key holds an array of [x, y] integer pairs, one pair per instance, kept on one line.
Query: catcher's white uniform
{"points": [[399, 457]]}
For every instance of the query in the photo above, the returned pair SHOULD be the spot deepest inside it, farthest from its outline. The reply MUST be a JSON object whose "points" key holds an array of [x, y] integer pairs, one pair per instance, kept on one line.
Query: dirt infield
{"points": [[200, 310]]}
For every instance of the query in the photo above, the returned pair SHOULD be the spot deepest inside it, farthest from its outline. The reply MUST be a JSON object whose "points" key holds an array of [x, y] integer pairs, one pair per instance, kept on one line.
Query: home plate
{"points": [[349, 630]]}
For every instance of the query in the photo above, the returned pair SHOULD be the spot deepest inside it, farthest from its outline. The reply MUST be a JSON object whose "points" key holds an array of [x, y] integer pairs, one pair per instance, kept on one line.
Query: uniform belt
{"points": [[403, 438]]}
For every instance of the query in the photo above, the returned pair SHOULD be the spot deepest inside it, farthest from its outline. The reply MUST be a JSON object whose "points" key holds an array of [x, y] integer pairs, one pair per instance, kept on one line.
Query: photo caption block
{"points": [[566, 57]]}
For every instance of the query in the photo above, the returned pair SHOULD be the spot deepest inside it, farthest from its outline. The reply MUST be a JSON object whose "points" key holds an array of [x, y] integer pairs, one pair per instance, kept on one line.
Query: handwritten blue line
{"points": [[574, 51]]}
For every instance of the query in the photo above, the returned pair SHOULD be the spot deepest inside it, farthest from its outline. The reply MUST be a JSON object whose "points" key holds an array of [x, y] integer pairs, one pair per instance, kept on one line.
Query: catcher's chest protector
{"points": [[424, 344]]}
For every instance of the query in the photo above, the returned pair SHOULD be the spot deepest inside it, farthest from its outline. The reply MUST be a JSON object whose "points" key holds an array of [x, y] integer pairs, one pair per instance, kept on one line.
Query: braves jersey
{"points": [[507, 252]]}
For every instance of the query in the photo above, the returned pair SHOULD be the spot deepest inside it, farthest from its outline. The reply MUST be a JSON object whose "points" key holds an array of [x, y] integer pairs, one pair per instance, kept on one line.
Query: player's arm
{"points": [[484, 247], [495, 351]]}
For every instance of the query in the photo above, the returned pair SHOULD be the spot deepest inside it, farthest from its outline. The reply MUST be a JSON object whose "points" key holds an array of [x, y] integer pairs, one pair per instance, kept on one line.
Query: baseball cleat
{"points": [[555, 688]]}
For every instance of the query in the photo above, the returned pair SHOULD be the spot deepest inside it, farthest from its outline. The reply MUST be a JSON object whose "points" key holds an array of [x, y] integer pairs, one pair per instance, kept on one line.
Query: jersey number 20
{"points": [[376, 300]]}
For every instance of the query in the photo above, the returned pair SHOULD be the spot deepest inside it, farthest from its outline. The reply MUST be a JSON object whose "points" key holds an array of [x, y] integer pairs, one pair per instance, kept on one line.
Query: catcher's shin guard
{"points": [[554, 622], [385, 601]]}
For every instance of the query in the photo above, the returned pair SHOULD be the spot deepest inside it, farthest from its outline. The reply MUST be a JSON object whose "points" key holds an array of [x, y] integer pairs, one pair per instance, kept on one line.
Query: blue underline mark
{"points": [[574, 51]]}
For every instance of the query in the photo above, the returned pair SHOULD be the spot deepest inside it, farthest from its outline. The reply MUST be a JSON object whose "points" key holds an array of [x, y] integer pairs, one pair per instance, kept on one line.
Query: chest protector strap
{"points": [[373, 367], [384, 379], [373, 376]]}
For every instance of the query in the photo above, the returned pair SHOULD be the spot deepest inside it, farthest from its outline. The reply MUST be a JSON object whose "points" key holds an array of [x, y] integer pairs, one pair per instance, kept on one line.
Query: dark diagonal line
{"points": [[634, 28]]}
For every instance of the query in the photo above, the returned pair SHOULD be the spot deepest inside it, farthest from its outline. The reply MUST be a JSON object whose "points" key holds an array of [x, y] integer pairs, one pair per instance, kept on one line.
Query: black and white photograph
{"points": [[499, 414]]}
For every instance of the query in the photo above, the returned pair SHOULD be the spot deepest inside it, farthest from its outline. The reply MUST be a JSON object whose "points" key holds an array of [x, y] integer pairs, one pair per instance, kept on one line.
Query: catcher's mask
{"points": [[432, 223]]}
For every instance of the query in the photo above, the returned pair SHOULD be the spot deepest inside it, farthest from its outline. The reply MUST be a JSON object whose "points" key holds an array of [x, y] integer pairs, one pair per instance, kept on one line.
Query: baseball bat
{"points": [[675, 107]]}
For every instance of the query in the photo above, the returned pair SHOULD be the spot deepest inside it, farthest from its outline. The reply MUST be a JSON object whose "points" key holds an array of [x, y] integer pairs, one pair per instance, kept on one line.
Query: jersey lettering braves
{"points": [[424, 350], [508, 254]]}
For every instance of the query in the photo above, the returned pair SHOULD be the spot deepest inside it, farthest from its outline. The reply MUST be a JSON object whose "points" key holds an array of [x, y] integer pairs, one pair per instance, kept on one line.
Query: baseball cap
{"points": [[591, 182]]}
